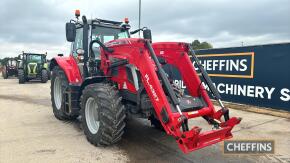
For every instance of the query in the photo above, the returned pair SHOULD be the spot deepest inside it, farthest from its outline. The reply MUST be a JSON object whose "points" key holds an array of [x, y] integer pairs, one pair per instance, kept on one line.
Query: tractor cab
{"points": [[37, 58], [102, 30], [87, 36], [94, 29], [12, 63]]}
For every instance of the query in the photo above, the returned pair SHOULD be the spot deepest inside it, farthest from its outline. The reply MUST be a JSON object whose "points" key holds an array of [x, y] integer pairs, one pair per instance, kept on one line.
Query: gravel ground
{"points": [[30, 133]]}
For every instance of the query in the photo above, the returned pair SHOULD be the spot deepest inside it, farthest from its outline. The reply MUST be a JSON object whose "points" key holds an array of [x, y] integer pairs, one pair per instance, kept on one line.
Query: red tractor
{"points": [[10, 68], [110, 75]]}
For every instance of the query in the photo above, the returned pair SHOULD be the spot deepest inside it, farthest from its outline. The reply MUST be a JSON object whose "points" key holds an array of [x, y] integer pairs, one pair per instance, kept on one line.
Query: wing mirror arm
{"points": [[109, 50], [137, 30], [146, 33]]}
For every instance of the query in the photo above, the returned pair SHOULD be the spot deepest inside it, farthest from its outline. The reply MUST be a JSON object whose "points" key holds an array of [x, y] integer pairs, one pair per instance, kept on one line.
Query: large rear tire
{"points": [[103, 114], [44, 76], [59, 83], [21, 76]]}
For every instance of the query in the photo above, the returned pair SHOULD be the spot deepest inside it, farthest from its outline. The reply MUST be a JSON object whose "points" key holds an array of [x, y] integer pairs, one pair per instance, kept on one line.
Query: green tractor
{"points": [[33, 66]]}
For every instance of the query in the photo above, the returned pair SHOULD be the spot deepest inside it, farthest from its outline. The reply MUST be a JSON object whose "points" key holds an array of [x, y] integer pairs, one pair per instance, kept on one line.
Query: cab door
{"points": [[78, 45]]}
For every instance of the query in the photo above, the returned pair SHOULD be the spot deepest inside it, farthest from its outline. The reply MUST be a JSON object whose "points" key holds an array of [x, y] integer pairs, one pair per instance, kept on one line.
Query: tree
{"points": [[198, 45], [3, 61]]}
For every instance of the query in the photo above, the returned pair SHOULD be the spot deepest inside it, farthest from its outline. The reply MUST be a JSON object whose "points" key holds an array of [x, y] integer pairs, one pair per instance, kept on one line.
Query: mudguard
{"points": [[70, 67]]}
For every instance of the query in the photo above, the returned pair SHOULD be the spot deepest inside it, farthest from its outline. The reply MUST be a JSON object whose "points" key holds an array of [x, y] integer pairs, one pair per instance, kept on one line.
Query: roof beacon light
{"points": [[77, 13], [126, 20]]}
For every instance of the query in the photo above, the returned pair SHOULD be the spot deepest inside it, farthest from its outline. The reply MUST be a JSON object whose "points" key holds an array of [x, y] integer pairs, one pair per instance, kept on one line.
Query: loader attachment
{"points": [[198, 104], [173, 111]]}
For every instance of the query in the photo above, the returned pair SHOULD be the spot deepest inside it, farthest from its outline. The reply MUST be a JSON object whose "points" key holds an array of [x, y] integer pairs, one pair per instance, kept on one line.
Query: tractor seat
{"points": [[189, 103]]}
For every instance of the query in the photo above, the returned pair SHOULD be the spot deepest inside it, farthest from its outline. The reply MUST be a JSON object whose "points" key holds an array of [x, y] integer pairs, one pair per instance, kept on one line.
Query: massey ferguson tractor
{"points": [[10, 68], [33, 66], [110, 75]]}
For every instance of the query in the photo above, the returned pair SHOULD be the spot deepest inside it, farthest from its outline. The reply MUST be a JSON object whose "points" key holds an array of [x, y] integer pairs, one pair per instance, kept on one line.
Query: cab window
{"points": [[35, 58], [78, 44], [106, 34]]}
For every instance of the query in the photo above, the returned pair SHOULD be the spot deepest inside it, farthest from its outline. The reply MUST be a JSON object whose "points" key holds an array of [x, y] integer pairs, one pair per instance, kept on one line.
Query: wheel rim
{"points": [[91, 113], [57, 93]]}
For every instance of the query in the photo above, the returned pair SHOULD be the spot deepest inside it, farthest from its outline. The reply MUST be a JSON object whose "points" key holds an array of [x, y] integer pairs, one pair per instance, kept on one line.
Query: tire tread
{"points": [[112, 114]]}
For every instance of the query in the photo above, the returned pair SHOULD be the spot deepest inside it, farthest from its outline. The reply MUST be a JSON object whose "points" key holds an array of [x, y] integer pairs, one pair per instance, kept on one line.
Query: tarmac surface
{"points": [[29, 132]]}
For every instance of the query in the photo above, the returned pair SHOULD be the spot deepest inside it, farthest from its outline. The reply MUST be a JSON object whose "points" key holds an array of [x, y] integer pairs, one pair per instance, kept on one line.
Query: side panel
{"points": [[70, 67]]}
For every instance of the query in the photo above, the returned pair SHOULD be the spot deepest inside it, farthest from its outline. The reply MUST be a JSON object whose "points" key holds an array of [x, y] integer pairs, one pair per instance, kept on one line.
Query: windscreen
{"points": [[105, 34], [34, 58], [12, 63]]}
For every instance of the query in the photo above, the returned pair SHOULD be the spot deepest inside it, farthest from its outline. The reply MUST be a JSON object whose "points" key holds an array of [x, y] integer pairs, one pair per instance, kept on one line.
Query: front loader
{"points": [[110, 75]]}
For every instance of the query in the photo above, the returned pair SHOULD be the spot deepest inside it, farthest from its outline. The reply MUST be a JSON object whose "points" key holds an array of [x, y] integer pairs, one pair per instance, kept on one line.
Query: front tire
{"points": [[5, 73], [21, 76], [49, 74], [44, 76], [59, 84], [156, 123], [103, 114]]}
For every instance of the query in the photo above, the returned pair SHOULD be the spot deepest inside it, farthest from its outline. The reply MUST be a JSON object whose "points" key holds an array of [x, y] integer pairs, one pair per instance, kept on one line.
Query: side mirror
{"points": [[147, 34], [70, 31]]}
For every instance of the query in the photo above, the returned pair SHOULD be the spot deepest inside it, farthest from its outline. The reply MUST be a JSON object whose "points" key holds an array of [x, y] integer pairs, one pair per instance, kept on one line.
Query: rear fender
{"points": [[70, 67]]}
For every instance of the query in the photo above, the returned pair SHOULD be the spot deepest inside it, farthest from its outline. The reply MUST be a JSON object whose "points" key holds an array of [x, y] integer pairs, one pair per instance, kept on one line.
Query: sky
{"points": [[39, 25]]}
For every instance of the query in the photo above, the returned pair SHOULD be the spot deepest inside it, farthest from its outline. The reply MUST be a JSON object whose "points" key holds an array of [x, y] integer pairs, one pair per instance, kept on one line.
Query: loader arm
{"points": [[140, 54]]}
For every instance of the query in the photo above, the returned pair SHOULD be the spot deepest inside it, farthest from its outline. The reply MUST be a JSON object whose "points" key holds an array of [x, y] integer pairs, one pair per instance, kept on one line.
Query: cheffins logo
{"points": [[249, 147], [232, 65]]}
